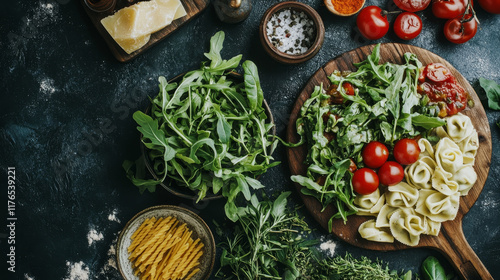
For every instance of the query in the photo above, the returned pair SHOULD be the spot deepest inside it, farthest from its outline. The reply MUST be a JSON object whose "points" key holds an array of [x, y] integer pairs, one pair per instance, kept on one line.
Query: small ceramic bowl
{"points": [[196, 224], [286, 58], [182, 191], [331, 7]]}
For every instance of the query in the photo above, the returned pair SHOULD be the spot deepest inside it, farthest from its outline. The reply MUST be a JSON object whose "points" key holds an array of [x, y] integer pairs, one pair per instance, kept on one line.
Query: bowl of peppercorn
{"points": [[291, 32]]}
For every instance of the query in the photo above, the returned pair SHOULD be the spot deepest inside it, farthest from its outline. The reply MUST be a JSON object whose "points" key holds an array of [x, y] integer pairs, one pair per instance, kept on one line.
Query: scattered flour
{"points": [[328, 246], [77, 271], [112, 217], [94, 236], [111, 263], [47, 86]]}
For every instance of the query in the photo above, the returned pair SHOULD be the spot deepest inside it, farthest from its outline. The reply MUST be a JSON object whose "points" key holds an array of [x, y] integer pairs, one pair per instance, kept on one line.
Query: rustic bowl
{"points": [[196, 224], [182, 191], [290, 58], [329, 5]]}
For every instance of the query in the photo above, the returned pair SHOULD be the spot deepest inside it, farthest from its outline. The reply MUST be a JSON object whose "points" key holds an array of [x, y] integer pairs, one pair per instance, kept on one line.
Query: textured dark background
{"points": [[66, 126]]}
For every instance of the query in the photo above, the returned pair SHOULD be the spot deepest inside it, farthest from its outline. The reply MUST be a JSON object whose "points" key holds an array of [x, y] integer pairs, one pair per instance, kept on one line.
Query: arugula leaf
{"points": [[492, 90], [215, 48], [254, 92]]}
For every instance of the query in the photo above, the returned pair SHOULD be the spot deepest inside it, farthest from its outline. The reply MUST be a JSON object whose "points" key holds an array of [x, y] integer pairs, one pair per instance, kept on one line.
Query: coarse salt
{"points": [[291, 31]]}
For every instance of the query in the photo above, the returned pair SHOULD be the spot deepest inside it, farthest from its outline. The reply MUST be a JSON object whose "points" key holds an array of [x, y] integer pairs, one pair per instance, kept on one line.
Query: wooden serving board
{"points": [[193, 8], [450, 241]]}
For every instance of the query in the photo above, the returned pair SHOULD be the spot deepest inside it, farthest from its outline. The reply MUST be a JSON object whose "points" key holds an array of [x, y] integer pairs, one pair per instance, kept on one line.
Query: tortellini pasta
{"points": [[419, 174], [369, 231], [366, 203], [431, 193], [406, 226], [401, 195], [438, 206], [457, 127], [448, 155]]}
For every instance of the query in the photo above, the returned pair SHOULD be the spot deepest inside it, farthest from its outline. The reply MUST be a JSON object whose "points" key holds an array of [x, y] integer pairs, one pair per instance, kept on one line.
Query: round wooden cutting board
{"points": [[450, 241]]}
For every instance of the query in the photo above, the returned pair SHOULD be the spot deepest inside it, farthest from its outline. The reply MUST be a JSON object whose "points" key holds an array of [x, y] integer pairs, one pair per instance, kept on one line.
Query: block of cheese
{"points": [[131, 27]]}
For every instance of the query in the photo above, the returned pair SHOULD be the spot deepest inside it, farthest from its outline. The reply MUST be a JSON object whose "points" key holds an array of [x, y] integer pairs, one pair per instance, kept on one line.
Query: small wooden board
{"points": [[450, 241], [193, 8]]}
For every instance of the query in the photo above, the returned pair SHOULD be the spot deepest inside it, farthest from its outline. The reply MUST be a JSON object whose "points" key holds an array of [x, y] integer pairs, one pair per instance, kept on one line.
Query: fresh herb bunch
{"points": [[264, 243], [267, 243], [209, 132], [385, 107]]}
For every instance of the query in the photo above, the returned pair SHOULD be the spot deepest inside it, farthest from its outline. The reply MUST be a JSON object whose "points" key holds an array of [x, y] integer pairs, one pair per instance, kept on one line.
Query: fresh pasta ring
{"points": [[199, 234]]}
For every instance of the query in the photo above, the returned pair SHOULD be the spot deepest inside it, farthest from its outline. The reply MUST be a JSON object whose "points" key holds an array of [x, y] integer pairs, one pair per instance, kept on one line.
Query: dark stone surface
{"points": [[66, 127]]}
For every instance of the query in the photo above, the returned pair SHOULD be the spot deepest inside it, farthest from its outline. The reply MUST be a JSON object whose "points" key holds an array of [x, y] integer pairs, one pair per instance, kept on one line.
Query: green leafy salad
{"points": [[208, 133], [378, 102]]}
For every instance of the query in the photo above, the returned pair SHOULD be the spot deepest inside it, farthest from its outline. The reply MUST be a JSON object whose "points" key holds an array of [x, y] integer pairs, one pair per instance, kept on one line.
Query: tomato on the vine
{"points": [[406, 151], [448, 8], [460, 29], [365, 181], [390, 173], [407, 25], [491, 6], [437, 72], [375, 154], [372, 22], [412, 5]]}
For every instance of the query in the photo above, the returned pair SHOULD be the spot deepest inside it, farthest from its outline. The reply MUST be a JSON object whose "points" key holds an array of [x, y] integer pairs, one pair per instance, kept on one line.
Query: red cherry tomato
{"points": [[491, 6], [460, 30], [437, 72], [412, 5], [365, 181], [375, 154], [349, 89], [448, 8], [372, 23], [406, 151], [407, 25], [390, 173]]}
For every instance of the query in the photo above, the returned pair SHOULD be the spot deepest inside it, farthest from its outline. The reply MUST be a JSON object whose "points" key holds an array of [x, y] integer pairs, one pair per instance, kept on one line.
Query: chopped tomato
{"points": [[437, 82]]}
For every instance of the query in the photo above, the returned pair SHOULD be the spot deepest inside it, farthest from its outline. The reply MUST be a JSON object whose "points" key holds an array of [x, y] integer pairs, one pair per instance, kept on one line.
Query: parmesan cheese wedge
{"points": [[131, 27]]}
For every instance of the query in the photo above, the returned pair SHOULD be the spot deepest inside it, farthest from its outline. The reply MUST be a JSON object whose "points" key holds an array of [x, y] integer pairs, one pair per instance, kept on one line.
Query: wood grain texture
{"points": [[450, 241], [193, 8]]}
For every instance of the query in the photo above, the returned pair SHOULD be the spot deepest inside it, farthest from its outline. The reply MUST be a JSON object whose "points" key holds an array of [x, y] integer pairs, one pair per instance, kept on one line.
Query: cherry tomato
{"points": [[407, 25], [375, 154], [491, 6], [437, 72], [412, 5], [365, 181], [372, 23], [406, 151], [349, 89], [448, 8], [460, 29], [390, 173]]}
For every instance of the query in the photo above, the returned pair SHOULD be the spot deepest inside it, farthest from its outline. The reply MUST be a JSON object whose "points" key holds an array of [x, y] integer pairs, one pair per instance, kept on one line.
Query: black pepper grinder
{"points": [[233, 11]]}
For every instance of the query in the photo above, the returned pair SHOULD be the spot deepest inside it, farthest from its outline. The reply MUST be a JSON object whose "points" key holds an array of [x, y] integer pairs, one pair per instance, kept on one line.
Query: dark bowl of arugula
{"points": [[183, 191], [208, 133]]}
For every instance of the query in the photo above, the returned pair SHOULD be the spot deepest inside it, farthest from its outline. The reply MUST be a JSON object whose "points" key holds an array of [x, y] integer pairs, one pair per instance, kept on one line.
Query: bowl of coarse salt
{"points": [[291, 32]]}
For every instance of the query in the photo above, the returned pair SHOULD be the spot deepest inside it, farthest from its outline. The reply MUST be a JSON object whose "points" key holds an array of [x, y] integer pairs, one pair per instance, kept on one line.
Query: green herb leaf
{"points": [[254, 92], [432, 269], [492, 90]]}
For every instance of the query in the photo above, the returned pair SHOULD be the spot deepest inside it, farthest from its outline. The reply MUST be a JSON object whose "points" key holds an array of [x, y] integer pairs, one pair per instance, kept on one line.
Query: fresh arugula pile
{"points": [[209, 132], [267, 243], [385, 108]]}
